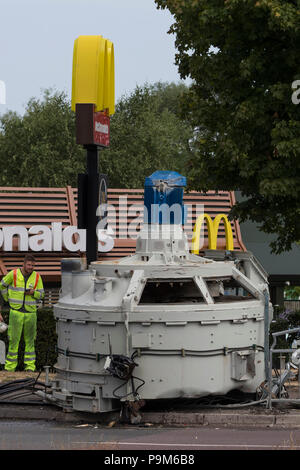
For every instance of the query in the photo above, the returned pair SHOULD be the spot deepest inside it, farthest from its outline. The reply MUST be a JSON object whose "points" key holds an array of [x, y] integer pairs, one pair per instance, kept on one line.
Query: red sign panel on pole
{"points": [[92, 128], [101, 129]]}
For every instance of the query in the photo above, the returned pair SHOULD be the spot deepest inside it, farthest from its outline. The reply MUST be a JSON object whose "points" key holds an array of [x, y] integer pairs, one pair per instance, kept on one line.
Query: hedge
{"points": [[46, 340]]}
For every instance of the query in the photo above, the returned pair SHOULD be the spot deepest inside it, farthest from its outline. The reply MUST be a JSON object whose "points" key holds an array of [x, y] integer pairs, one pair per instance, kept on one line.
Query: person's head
{"points": [[29, 263]]}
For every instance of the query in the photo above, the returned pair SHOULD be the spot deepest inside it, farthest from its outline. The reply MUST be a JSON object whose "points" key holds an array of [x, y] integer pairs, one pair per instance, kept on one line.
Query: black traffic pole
{"points": [[90, 187], [91, 207]]}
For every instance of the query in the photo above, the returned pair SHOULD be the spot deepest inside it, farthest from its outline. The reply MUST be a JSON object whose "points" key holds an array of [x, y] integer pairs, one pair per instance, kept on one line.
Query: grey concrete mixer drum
{"points": [[160, 324]]}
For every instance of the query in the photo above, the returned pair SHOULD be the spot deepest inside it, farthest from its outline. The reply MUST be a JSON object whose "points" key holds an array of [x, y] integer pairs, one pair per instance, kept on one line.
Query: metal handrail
{"points": [[272, 350]]}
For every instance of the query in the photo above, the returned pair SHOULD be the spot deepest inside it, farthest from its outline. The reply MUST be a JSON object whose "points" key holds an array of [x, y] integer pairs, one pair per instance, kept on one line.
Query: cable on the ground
{"points": [[9, 389], [238, 405], [30, 384]]}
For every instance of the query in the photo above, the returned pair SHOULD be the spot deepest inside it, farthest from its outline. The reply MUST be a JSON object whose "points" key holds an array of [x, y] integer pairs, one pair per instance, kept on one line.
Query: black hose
{"points": [[23, 402], [133, 392], [15, 382], [31, 384], [9, 388], [143, 383], [163, 352], [12, 389]]}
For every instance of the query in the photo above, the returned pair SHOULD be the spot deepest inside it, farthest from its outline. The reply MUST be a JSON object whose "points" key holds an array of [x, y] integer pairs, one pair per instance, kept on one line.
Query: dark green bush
{"points": [[46, 340]]}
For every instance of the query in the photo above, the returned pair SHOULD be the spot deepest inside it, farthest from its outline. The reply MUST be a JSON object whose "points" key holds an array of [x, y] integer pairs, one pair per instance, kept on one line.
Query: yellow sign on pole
{"points": [[93, 78]]}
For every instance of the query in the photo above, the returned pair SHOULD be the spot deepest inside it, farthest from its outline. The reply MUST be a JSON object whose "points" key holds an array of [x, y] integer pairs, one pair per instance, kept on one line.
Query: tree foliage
{"points": [[243, 57], [292, 292], [39, 148], [147, 134]]}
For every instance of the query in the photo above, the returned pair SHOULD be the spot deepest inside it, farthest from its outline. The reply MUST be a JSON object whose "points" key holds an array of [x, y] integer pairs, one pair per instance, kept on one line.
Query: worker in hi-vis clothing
{"points": [[22, 288]]}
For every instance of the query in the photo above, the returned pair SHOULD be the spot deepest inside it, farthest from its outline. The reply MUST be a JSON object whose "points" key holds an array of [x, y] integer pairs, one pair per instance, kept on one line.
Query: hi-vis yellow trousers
{"points": [[17, 322]]}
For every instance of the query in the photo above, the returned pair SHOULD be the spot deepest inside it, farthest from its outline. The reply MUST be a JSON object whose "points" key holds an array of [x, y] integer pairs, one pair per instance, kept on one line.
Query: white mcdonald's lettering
{"points": [[213, 227], [44, 238], [103, 128]]}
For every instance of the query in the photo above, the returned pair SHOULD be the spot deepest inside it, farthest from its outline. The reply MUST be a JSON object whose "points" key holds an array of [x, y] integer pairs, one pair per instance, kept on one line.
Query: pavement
{"points": [[32, 407]]}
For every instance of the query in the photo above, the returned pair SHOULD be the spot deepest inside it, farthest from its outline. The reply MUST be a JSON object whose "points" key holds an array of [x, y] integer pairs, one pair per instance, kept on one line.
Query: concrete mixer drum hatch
{"points": [[158, 291], [188, 291]]}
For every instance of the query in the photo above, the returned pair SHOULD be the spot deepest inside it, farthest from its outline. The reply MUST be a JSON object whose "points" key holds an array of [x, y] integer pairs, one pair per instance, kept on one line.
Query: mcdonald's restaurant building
{"points": [[43, 221]]}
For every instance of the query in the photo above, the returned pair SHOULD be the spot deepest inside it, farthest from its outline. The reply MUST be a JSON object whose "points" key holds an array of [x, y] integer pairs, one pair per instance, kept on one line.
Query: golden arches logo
{"points": [[213, 228], [93, 77]]}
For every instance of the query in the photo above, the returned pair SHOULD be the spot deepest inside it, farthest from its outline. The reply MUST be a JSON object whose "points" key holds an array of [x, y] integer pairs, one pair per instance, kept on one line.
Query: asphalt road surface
{"points": [[43, 435]]}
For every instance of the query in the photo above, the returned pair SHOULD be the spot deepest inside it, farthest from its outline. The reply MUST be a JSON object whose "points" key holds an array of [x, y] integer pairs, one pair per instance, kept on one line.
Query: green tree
{"points": [[39, 148], [147, 134], [243, 57], [292, 292]]}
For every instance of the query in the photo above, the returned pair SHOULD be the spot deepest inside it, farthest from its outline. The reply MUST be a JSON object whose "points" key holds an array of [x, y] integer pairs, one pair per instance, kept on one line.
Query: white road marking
{"points": [[116, 443]]}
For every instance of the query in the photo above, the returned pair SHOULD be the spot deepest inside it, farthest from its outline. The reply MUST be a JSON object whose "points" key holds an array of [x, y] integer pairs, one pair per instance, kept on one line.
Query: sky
{"points": [[37, 39]]}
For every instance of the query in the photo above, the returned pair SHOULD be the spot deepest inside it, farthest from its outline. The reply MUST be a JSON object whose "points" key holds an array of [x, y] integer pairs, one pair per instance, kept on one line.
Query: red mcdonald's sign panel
{"points": [[92, 127], [101, 129]]}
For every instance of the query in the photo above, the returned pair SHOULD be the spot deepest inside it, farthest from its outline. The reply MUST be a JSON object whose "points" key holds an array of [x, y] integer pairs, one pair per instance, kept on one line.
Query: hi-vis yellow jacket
{"points": [[13, 289]]}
